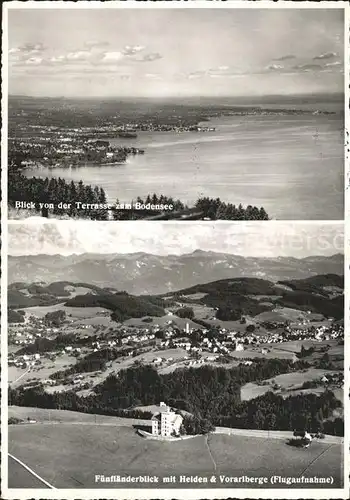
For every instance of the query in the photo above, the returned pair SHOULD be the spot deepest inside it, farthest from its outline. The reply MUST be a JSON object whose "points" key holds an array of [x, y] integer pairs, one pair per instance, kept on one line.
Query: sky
{"points": [[256, 239], [175, 52]]}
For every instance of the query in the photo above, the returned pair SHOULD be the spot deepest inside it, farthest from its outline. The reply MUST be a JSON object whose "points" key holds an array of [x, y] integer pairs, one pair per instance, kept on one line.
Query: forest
{"points": [[215, 209], [55, 190], [122, 305], [273, 412], [210, 394], [234, 298]]}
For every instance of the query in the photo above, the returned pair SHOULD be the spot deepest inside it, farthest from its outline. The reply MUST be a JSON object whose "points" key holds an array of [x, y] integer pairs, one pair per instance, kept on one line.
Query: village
{"points": [[59, 148], [36, 345]]}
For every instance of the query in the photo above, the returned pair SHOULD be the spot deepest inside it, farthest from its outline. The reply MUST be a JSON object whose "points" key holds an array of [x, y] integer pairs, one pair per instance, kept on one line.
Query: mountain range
{"points": [[141, 273]]}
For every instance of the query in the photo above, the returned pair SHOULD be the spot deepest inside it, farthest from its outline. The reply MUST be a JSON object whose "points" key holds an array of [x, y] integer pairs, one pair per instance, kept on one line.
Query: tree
{"points": [[55, 318], [250, 328], [270, 422], [259, 420], [185, 312]]}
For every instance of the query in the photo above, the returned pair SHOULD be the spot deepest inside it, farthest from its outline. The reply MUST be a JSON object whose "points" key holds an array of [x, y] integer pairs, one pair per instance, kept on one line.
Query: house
{"points": [[305, 438], [166, 422], [238, 347]]}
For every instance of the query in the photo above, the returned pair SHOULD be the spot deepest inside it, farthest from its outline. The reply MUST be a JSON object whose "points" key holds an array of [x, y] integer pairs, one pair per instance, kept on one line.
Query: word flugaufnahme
{"points": [[31, 205], [221, 479]]}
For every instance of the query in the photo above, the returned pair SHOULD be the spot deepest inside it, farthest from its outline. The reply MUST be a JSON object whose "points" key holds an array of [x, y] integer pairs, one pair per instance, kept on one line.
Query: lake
{"points": [[293, 166]]}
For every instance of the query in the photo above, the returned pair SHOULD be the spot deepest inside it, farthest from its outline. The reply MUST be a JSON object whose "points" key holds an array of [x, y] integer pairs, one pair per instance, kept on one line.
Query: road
{"points": [[17, 379], [271, 434], [21, 474]]}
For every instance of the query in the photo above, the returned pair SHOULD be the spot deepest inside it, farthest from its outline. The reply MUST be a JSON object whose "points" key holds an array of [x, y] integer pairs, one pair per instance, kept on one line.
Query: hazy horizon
{"points": [[173, 254], [250, 239], [337, 93], [175, 52]]}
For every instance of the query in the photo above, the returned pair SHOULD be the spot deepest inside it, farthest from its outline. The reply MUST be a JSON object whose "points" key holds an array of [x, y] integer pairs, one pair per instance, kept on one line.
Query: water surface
{"points": [[293, 166]]}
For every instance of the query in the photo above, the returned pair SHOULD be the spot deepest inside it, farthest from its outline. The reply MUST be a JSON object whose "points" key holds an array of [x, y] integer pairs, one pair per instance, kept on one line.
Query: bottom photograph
{"points": [[175, 355]]}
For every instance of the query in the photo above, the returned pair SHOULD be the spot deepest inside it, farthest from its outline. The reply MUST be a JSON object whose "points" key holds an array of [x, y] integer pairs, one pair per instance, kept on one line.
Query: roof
{"points": [[156, 416], [170, 414]]}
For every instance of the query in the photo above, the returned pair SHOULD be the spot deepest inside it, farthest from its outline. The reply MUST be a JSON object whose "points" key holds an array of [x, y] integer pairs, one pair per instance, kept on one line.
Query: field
{"points": [[68, 417], [69, 455], [40, 372], [161, 321], [123, 363], [288, 382], [19, 475], [74, 312], [276, 352]]}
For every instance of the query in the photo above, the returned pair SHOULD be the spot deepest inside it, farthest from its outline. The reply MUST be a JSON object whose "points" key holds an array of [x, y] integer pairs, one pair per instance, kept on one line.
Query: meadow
{"points": [[289, 383], [69, 455]]}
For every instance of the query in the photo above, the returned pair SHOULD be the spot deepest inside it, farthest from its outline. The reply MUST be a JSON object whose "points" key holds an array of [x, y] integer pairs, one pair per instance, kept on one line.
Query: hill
{"points": [[23, 295], [146, 274], [19, 300], [235, 286], [122, 305], [230, 298], [322, 284], [238, 297], [70, 454]]}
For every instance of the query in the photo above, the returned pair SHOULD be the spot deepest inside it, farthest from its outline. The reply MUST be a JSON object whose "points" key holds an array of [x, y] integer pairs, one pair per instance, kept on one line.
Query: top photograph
{"points": [[175, 113]]}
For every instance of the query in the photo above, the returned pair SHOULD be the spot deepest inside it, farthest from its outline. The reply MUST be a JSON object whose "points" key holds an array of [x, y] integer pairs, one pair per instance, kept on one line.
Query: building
{"points": [[305, 438], [166, 422], [238, 347]]}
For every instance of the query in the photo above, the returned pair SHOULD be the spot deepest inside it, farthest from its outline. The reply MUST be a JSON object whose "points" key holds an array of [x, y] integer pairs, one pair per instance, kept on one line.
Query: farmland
{"points": [[111, 353], [289, 383], [39, 372], [69, 455]]}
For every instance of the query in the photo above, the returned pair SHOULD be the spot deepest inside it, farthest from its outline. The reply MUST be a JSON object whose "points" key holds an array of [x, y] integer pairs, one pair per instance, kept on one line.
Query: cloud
{"points": [[308, 67], [35, 61], [251, 239], [32, 47], [221, 70], [28, 48], [275, 67], [196, 74], [93, 53], [326, 55], [92, 44], [150, 57], [80, 55], [27, 52], [131, 50], [335, 63], [57, 60], [109, 57], [153, 76], [284, 58]]}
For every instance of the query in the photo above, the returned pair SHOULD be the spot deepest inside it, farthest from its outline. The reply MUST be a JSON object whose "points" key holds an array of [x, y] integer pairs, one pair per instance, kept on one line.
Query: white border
{"points": [[116, 493]]}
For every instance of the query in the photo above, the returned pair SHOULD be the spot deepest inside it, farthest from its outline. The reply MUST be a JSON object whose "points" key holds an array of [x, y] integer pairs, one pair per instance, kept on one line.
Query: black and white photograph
{"points": [[174, 302], [177, 356], [190, 113]]}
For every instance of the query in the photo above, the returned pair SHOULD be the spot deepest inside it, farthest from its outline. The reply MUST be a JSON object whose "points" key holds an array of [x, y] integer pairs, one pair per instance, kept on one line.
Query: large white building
{"points": [[166, 422], [238, 346]]}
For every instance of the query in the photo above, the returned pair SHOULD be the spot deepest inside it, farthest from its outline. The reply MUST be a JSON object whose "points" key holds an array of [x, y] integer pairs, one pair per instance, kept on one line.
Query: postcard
{"points": [[196, 357], [175, 111]]}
